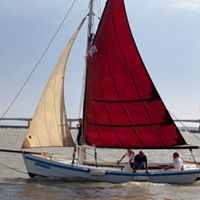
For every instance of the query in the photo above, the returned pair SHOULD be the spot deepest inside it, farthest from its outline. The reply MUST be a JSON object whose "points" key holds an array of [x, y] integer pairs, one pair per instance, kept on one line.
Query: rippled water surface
{"points": [[16, 185]]}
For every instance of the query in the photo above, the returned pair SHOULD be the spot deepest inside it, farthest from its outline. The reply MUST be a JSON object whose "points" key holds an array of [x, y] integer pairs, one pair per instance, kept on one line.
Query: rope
{"points": [[13, 169], [81, 96], [98, 7], [40, 59], [100, 159], [194, 135], [179, 121]]}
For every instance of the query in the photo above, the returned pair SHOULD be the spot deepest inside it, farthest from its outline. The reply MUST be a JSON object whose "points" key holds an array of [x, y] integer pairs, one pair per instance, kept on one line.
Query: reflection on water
{"points": [[18, 186]]}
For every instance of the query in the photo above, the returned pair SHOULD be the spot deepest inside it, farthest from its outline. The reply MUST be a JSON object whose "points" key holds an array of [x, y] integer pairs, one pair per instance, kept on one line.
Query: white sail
{"points": [[49, 126]]}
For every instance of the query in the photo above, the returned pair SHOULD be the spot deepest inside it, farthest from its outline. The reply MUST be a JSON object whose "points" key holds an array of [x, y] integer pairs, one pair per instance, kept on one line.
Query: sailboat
{"points": [[121, 109]]}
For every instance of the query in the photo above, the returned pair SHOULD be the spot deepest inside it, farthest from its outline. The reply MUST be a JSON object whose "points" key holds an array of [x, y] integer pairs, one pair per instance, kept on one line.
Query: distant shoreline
{"points": [[183, 129]]}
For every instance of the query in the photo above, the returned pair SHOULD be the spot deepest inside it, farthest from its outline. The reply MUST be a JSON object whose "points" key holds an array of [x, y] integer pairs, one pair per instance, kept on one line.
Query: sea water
{"points": [[16, 185]]}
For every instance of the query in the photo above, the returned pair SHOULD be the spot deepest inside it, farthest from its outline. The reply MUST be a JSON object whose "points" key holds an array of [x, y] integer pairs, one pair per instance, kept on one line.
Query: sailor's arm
{"points": [[121, 158]]}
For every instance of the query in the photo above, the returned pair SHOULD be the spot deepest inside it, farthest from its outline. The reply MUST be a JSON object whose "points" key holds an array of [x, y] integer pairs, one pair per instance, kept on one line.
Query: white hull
{"points": [[43, 166]]}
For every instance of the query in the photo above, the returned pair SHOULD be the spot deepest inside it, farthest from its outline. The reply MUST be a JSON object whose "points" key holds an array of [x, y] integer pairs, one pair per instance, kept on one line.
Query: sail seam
{"points": [[153, 87], [92, 101], [54, 102], [115, 86], [130, 125], [131, 73], [94, 108], [125, 101], [105, 105], [125, 110]]}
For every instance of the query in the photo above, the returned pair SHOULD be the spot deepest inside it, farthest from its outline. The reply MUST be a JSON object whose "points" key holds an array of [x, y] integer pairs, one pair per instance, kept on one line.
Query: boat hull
{"points": [[41, 166]]}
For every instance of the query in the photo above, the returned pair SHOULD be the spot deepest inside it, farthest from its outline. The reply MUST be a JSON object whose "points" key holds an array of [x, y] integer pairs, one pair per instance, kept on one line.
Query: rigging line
{"points": [[100, 159], [38, 62], [97, 17], [194, 135], [11, 168], [100, 11], [179, 120], [81, 95], [98, 8], [98, 5]]}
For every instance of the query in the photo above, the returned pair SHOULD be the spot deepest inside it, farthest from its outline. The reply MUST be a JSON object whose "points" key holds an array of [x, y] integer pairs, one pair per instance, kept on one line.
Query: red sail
{"points": [[122, 107]]}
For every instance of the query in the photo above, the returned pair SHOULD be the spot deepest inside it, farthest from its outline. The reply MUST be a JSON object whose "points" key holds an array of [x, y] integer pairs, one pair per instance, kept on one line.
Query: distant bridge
{"points": [[190, 129], [188, 120], [71, 122]]}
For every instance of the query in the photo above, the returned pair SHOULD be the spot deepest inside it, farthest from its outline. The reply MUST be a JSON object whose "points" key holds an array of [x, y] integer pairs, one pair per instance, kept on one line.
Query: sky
{"points": [[167, 33]]}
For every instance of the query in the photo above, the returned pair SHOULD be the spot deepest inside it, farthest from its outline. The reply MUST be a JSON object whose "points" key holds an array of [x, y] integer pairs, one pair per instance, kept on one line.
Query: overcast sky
{"points": [[167, 33]]}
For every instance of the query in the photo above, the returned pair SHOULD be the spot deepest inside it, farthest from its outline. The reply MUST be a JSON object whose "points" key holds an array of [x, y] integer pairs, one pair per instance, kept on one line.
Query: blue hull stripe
{"points": [[86, 170], [57, 165]]}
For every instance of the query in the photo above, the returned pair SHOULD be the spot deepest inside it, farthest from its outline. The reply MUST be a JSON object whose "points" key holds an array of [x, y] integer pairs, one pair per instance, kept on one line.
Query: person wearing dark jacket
{"points": [[140, 162]]}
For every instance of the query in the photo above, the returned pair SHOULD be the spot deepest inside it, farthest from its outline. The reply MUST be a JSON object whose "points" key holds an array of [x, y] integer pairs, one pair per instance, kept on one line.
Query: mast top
{"points": [[90, 22]]}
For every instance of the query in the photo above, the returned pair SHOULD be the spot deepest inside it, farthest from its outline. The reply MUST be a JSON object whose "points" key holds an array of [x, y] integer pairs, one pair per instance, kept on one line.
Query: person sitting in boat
{"points": [[140, 162], [130, 155], [177, 162], [79, 126]]}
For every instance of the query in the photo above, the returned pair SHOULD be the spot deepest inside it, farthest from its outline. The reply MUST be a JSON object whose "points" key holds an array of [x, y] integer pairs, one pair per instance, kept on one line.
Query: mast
{"points": [[90, 24], [82, 151]]}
